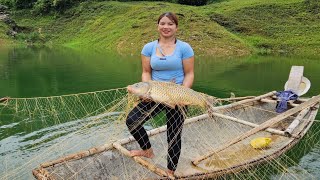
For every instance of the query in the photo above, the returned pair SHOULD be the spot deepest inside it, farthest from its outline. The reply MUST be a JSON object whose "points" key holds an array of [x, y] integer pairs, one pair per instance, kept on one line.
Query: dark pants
{"points": [[175, 119]]}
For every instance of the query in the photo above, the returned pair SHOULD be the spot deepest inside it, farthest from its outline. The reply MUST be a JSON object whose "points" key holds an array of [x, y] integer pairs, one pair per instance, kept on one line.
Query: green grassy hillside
{"points": [[286, 27], [224, 28]]}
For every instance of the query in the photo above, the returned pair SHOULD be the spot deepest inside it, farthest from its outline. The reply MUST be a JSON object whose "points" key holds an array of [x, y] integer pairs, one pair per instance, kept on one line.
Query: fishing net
{"points": [[89, 136]]}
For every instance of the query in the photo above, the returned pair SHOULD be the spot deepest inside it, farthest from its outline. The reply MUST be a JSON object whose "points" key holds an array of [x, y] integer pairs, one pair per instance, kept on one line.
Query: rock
{"points": [[11, 23], [3, 16], [8, 21], [12, 33], [14, 28]]}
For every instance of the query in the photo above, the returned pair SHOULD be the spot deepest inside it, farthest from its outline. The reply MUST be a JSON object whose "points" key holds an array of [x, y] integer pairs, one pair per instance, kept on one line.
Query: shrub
{"points": [[42, 7], [61, 5], [193, 2], [23, 4], [30, 38]]}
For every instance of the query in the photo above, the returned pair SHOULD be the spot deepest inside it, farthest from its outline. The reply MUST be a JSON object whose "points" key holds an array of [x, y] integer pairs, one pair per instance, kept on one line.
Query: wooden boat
{"points": [[212, 145]]}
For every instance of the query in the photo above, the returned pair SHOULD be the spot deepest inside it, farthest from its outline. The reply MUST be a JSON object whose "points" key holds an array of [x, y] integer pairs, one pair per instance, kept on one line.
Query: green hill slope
{"points": [[224, 28], [290, 26]]}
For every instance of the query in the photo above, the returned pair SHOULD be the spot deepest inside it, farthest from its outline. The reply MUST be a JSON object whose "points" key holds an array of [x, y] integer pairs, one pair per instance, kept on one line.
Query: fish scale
{"points": [[169, 93]]}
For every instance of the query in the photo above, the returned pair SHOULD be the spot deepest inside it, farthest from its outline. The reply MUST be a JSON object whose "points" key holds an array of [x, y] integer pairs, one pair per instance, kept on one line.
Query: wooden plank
{"points": [[244, 101], [4, 99], [310, 121], [275, 101], [236, 98], [143, 162], [294, 80], [296, 121], [271, 130], [42, 174], [78, 155], [263, 126]]}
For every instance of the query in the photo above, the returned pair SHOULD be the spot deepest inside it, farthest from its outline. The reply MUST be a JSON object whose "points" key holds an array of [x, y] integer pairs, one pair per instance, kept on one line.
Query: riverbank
{"points": [[224, 28]]}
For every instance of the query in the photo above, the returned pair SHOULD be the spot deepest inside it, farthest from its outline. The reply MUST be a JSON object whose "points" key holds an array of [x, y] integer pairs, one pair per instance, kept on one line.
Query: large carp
{"points": [[169, 93]]}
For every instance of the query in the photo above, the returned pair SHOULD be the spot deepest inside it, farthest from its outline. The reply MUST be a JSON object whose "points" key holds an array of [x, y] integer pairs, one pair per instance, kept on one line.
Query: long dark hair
{"points": [[169, 15]]}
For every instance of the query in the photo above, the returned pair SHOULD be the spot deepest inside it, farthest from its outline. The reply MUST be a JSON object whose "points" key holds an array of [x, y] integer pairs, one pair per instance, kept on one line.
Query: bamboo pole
{"points": [[42, 174], [4, 100], [300, 99], [271, 130], [143, 162], [244, 101], [264, 125], [296, 122], [311, 119], [236, 98], [275, 101], [78, 155]]}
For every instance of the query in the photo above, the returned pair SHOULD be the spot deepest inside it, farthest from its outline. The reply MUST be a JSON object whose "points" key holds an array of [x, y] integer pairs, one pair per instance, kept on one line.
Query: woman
{"points": [[166, 59]]}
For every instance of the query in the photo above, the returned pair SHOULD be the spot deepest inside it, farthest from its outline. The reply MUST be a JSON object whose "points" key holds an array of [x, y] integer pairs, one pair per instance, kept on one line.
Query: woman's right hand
{"points": [[144, 98]]}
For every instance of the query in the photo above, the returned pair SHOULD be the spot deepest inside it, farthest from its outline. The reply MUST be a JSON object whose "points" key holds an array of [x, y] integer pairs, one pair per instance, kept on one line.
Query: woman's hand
{"points": [[145, 98]]}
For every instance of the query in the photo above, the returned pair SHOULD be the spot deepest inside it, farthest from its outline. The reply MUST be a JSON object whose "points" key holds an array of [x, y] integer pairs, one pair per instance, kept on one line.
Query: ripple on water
{"points": [[311, 161]]}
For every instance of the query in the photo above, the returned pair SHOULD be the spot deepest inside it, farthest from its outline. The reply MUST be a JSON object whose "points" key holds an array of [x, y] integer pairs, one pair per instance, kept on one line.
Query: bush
{"points": [[23, 4], [61, 5], [42, 7], [147, 0], [30, 38], [193, 2]]}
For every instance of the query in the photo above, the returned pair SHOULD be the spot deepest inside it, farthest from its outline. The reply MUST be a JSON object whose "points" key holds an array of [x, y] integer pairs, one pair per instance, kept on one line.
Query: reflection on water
{"points": [[45, 72], [33, 72]]}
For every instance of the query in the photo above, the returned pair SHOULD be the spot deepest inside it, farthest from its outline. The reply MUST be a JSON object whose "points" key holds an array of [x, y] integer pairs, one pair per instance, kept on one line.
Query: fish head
{"points": [[139, 89]]}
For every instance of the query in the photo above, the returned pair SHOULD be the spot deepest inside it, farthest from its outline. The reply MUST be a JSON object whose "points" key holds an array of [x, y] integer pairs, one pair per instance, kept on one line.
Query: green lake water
{"points": [[34, 72]]}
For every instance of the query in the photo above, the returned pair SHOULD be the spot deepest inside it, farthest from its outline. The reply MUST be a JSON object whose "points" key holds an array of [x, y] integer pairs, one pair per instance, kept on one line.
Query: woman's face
{"points": [[166, 27]]}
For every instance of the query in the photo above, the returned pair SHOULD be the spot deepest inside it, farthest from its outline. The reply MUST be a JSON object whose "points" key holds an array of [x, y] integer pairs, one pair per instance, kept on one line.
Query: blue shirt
{"points": [[168, 68]]}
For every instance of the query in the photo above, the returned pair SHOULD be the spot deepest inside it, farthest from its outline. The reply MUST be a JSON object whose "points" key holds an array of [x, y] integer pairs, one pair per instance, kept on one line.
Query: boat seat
{"points": [[297, 83]]}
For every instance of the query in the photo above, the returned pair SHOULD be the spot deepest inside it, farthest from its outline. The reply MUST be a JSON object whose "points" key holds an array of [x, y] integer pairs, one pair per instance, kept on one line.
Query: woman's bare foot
{"points": [[145, 153], [170, 173]]}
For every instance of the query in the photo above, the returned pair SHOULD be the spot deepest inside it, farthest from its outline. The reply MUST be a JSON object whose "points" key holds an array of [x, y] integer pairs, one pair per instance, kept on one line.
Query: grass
{"points": [[224, 28], [4, 38], [284, 27]]}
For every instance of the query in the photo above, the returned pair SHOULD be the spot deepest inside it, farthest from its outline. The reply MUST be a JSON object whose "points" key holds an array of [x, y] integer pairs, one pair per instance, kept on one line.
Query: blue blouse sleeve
{"points": [[147, 49], [187, 51]]}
